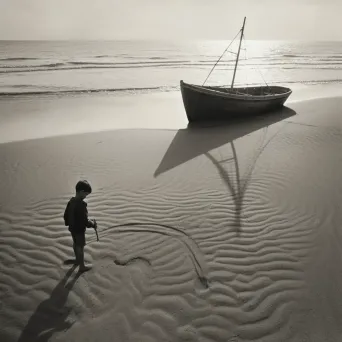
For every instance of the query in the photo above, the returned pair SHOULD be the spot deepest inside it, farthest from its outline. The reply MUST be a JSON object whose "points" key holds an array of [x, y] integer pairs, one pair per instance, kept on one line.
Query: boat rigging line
{"points": [[212, 69]]}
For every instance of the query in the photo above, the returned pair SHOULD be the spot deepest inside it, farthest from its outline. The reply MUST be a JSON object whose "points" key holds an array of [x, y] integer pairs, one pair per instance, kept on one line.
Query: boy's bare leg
{"points": [[80, 252], [76, 254]]}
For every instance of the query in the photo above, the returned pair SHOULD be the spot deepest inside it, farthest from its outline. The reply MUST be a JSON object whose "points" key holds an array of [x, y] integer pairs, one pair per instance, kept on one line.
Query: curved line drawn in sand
{"points": [[50, 315], [129, 261], [199, 267]]}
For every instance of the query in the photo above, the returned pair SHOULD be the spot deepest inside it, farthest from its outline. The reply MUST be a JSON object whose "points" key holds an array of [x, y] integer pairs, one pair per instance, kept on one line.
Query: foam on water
{"points": [[37, 68]]}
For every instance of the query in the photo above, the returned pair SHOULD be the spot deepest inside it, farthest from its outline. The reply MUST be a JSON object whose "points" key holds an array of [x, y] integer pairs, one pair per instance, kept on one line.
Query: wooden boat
{"points": [[219, 103]]}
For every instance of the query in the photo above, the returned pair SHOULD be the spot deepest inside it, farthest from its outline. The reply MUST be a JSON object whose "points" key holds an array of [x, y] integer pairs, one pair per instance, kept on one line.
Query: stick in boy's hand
{"points": [[95, 228]]}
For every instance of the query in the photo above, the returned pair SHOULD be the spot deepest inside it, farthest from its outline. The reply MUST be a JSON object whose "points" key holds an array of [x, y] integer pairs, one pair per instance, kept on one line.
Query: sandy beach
{"points": [[220, 233]]}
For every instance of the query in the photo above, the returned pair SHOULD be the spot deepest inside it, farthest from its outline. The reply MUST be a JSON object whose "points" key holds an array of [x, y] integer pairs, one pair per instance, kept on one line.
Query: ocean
{"points": [[63, 67]]}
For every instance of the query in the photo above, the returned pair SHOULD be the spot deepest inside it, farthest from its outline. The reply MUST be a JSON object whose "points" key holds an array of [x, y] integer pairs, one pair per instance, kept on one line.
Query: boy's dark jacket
{"points": [[76, 216]]}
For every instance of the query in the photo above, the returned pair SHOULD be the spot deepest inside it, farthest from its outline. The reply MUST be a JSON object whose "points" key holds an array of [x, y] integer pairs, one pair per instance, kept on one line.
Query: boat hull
{"points": [[212, 103]]}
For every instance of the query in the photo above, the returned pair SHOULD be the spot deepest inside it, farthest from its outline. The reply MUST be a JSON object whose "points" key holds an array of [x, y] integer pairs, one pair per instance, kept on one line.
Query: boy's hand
{"points": [[93, 223]]}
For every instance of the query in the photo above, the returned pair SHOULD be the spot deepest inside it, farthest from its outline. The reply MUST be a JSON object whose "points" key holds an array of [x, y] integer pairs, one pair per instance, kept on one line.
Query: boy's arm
{"points": [[90, 223], [66, 215], [83, 217]]}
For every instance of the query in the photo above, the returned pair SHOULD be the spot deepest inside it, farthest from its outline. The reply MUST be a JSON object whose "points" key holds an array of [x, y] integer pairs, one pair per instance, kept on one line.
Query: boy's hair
{"points": [[83, 185]]}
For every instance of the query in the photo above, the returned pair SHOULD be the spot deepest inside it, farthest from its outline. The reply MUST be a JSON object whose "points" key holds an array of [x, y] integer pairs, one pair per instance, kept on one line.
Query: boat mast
{"points": [[238, 54]]}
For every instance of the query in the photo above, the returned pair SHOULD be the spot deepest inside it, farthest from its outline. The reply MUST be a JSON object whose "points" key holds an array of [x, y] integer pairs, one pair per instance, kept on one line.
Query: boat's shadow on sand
{"points": [[201, 138]]}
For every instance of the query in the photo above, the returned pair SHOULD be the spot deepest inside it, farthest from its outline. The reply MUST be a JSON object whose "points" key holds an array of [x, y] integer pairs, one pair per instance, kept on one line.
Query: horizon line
{"points": [[164, 40]]}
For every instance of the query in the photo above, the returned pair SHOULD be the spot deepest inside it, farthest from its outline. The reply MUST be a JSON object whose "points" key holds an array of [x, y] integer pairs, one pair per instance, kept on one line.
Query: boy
{"points": [[76, 217]]}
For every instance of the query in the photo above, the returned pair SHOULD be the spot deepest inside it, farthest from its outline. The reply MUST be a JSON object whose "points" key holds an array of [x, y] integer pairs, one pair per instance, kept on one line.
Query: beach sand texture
{"points": [[252, 207]]}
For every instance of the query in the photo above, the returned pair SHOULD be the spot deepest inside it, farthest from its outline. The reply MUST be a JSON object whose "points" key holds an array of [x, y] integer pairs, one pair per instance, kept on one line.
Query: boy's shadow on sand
{"points": [[200, 138], [50, 315]]}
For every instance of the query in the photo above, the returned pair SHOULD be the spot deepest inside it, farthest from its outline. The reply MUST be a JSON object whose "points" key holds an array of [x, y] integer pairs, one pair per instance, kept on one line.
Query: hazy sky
{"points": [[170, 19]]}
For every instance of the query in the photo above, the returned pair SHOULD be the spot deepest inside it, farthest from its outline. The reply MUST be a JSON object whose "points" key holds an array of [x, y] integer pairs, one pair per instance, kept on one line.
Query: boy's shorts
{"points": [[78, 239]]}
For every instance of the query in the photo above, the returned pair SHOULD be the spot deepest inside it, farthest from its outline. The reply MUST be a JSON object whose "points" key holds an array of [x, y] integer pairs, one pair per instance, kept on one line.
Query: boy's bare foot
{"points": [[84, 268]]}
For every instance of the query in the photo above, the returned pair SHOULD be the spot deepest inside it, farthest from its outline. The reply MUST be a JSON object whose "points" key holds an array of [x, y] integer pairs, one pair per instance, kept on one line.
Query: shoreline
{"points": [[59, 116]]}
